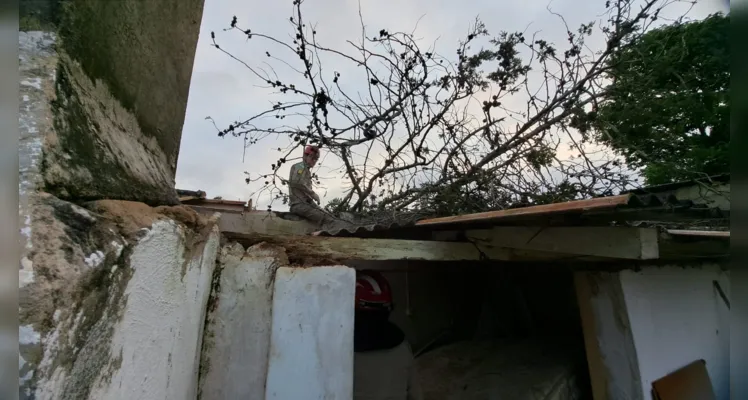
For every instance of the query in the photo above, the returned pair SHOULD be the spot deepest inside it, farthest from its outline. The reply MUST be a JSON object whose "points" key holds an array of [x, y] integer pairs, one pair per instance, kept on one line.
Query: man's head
{"points": [[311, 155], [373, 293]]}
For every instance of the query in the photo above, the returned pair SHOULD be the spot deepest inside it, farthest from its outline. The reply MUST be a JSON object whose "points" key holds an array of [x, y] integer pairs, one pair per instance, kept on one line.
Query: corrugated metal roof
{"points": [[359, 230], [596, 211], [382, 222], [601, 203], [722, 178]]}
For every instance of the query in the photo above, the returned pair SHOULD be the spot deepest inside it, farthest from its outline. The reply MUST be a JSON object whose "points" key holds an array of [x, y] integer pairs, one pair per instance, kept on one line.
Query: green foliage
{"points": [[541, 156], [336, 206], [668, 108]]}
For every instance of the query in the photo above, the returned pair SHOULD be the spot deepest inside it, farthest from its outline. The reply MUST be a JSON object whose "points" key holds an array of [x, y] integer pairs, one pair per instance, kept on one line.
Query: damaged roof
{"points": [[656, 203], [666, 187], [198, 198], [601, 210]]}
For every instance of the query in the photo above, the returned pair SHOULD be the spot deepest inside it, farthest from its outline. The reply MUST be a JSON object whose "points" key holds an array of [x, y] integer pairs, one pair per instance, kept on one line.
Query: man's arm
{"points": [[307, 181]]}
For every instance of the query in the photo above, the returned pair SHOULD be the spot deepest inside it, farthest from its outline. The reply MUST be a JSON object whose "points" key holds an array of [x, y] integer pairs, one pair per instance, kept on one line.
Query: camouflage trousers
{"points": [[318, 216]]}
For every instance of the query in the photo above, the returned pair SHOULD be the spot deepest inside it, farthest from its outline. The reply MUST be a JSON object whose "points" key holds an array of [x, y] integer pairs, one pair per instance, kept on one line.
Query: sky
{"points": [[225, 90]]}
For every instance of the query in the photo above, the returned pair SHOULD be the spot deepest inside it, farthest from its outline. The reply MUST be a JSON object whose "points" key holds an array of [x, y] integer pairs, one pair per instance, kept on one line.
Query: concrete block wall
{"points": [[111, 303]]}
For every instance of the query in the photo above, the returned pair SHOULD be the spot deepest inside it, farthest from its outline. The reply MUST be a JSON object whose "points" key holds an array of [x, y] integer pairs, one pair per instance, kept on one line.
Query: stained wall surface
{"points": [[113, 95], [237, 334], [112, 301]]}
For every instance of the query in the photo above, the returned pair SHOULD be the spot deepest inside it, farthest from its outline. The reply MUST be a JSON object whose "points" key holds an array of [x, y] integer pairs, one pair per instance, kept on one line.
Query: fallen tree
{"points": [[416, 130]]}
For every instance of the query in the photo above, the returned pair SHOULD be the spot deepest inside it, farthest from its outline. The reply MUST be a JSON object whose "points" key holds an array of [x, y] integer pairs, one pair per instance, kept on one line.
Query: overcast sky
{"points": [[223, 89]]}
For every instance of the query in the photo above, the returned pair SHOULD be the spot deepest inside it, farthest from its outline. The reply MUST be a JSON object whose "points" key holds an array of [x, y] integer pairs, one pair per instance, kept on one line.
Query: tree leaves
{"points": [[668, 108]]}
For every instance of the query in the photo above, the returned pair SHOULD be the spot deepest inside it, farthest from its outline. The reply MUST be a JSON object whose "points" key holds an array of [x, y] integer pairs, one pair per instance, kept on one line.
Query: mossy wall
{"points": [[39, 15], [144, 51], [120, 98], [114, 304], [97, 149]]}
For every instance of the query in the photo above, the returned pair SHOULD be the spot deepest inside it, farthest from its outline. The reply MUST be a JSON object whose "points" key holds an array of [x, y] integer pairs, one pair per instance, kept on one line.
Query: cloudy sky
{"points": [[225, 90]]}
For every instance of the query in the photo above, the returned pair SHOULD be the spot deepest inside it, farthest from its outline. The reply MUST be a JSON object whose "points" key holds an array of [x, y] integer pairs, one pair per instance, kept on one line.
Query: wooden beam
{"points": [[599, 203], [609, 242], [595, 363], [701, 234], [609, 343], [343, 248]]}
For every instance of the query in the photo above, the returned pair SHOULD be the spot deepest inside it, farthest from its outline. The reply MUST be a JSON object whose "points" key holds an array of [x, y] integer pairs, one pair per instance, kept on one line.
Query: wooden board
{"points": [[595, 363], [688, 383]]}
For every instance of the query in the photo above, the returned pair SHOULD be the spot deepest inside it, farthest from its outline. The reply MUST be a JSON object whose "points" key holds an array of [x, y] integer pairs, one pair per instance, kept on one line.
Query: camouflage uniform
{"points": [[302, 199]]}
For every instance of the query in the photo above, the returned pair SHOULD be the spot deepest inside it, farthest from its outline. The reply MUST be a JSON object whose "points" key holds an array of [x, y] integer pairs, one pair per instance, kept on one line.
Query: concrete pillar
{"points": [[311, 347], [237, 334]]}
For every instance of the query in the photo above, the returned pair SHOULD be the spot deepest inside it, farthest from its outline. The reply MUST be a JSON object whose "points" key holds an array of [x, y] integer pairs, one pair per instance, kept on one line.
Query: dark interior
{"points": [[491, 330]]}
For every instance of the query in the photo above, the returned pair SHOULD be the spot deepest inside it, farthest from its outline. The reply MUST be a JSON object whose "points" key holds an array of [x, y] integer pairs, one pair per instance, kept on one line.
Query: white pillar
{"points": [[311, 345], [237, 333]]}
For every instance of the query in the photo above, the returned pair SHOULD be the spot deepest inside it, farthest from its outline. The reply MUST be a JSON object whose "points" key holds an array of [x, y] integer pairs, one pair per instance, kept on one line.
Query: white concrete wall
{"points": [[677, 317], [159, 337], [237, 335], [311, 350], [138, 334], [277, 332]]}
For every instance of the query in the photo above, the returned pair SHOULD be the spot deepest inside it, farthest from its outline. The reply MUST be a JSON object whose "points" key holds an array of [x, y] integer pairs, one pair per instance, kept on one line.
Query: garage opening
{"points": [[488, 330]]}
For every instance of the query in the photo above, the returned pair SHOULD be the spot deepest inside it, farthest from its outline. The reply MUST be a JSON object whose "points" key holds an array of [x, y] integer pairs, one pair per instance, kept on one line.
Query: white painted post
{"points": [[311, 345], [235, 355]]}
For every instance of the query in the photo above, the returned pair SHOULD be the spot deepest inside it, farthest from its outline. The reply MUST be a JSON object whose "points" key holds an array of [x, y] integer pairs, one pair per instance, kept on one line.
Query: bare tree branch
{"points": [[422, 126]]}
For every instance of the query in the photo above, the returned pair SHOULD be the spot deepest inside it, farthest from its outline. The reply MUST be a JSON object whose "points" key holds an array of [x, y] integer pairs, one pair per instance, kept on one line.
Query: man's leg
{"points": [[320, 217]]}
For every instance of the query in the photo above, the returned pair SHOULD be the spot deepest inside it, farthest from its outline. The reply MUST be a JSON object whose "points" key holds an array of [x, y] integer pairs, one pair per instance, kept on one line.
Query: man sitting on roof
{"points": [[304, 202]]}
